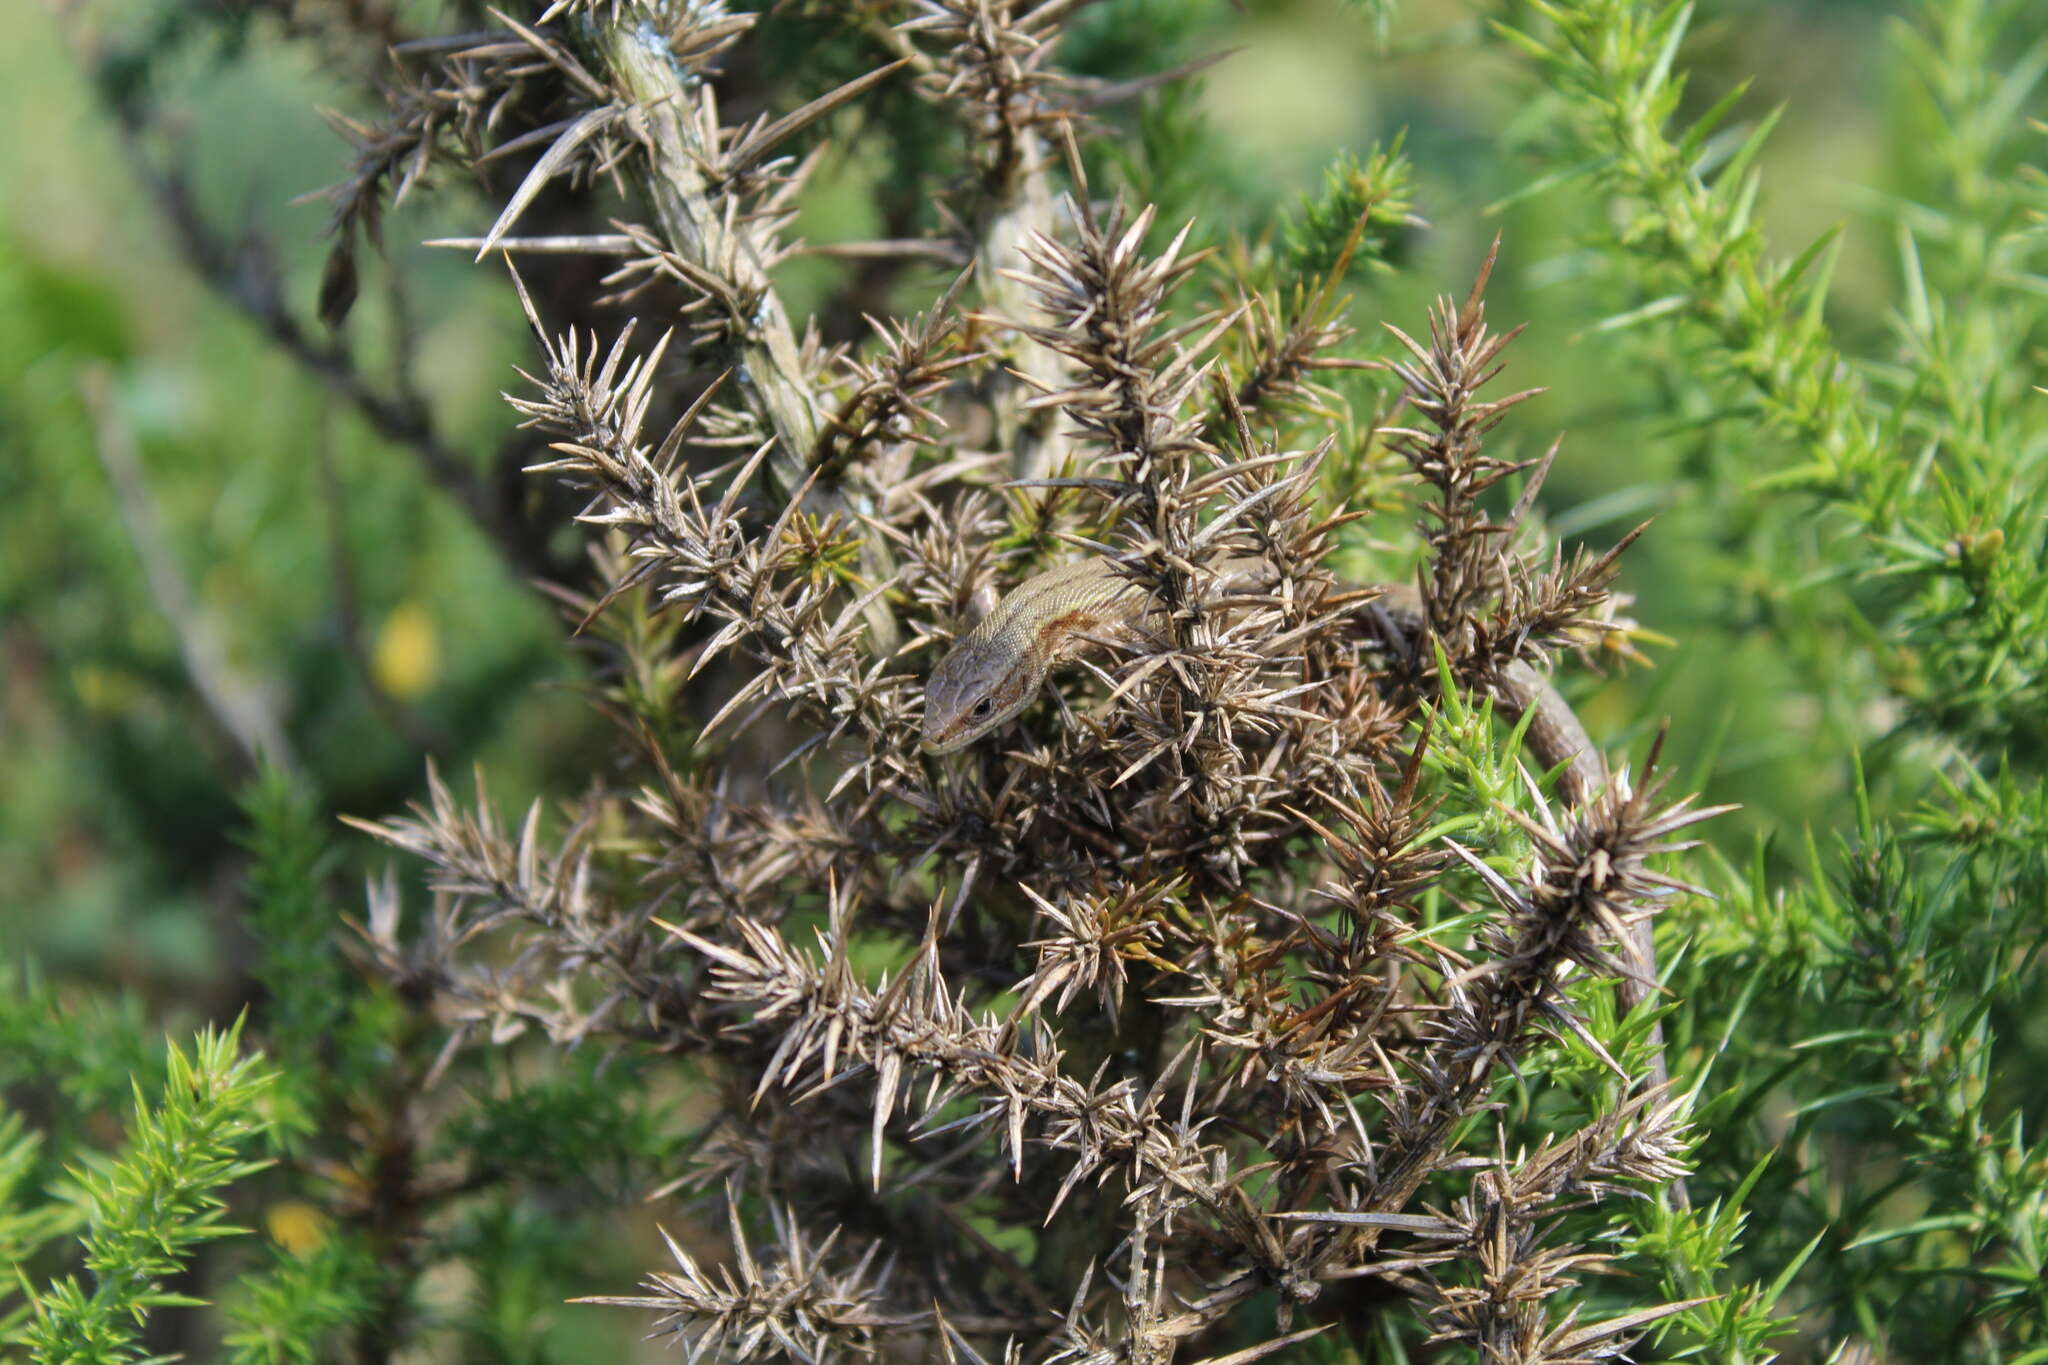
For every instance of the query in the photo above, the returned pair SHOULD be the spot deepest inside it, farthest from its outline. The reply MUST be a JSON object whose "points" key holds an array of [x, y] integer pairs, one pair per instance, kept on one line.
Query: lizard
{"points": [[995, 671]]}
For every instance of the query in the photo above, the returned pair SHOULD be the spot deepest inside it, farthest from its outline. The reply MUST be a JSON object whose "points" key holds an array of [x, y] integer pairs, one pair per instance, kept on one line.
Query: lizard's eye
{"points": [[983, 707]]}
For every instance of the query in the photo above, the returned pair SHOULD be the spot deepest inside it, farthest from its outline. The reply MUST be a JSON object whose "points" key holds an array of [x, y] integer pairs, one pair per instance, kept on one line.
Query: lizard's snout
{"points": [[940, 738], [934, 730]]}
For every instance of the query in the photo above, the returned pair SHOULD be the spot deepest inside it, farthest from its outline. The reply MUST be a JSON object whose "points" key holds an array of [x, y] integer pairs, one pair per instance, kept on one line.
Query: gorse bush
{"points": [[1082, 852], [1236, 864]]}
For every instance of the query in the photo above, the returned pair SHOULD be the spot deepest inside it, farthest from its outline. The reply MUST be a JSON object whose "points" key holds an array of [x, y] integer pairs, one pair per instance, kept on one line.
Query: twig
{"points": [[245, 278], [236, 702]]}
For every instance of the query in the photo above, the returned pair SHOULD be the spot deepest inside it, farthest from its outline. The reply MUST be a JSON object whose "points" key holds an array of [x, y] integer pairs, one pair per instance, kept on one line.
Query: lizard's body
{"points": [[994, 671], [998, 667]]}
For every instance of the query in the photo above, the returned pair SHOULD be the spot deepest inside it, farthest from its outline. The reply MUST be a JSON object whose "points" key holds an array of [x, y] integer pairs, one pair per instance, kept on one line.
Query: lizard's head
{"points": [[977, 687]]}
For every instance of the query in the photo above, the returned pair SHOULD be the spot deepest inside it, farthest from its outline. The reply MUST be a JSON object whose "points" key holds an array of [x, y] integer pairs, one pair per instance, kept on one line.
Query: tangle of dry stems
{"points": [[1180, 936]]}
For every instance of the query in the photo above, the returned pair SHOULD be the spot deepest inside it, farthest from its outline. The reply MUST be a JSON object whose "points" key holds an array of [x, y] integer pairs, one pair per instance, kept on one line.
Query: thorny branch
{"points": [[1188, 937]]}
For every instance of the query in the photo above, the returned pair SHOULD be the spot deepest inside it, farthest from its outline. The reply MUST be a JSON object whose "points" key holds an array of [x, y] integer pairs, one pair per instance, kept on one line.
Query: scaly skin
{"points": [[996, 669]]}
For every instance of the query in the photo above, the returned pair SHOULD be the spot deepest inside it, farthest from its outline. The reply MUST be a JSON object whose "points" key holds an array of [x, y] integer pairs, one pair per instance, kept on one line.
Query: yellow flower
{"points": [[407, 658]]}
